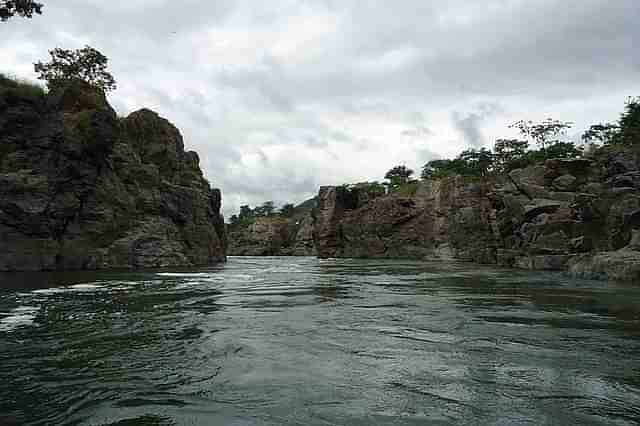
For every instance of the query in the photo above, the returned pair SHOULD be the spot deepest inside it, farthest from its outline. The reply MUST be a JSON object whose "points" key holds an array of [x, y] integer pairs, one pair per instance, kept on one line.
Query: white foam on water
{"points": [[183, 274], [244, 277], [86, 287], [76, 287], [21, 316]]}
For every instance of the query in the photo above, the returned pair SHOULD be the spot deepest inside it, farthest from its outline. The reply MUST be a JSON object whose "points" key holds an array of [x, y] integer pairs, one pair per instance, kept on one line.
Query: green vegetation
{"points": [[508, 154], [20, 88], [399, 175], [247, 215], [24, 8], [625, 132], [400, 183], [629, 124], [86, 64], [545, 133], [469, 163]]}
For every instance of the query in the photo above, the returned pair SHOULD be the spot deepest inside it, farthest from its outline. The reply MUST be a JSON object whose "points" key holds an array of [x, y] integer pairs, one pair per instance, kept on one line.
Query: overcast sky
{"points": [[281, 96]]}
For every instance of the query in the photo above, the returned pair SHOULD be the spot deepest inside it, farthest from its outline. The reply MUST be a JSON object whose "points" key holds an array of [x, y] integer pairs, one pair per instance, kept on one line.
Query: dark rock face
{"points": [[576, 215], [276, 236], [580, 216], [447, 219], [81, 189]]}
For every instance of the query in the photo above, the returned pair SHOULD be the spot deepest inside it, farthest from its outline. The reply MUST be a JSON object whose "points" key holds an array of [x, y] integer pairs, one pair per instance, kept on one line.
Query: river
{"points": [[302, 341]]}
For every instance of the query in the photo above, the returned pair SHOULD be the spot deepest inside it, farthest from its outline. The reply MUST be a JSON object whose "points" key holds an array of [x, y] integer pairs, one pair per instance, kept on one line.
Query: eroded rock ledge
{"points": [[82, 189], [580, 216]]}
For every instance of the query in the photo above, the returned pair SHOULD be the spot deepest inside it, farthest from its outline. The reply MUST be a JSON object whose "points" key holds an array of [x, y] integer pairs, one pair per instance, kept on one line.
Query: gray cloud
{"points": [[470, 124], [281, 97]]}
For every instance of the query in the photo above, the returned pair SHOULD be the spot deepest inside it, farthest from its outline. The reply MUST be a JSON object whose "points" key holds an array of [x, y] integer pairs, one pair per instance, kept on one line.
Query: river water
{"points": [[301, 341]]}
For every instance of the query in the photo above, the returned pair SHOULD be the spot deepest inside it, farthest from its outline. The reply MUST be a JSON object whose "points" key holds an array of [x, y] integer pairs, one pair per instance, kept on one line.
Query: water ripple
{"points": [[318, 342]]}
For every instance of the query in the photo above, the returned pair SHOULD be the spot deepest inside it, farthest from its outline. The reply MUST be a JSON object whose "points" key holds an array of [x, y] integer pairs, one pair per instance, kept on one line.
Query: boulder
{"points": [[565, 183]]}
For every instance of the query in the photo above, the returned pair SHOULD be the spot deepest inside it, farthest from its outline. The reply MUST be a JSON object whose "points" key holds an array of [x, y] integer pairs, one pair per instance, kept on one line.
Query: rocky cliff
{"points": [[82, 189], [275, 235], [581, 216], [448, 218], [576, 215]]}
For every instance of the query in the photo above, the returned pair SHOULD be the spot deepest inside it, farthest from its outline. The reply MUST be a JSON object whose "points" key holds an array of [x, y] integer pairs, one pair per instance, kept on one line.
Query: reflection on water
{"points": [[318, 342]]}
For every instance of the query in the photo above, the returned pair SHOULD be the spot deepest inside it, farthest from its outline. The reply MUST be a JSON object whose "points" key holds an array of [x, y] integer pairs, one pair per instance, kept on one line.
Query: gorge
{"points": [[84, 189], [581, 216]]}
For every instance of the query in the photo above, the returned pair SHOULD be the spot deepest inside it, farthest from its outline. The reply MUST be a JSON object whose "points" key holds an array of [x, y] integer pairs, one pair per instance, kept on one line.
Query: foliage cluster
{"points": [[248, 215], [86, 64], [24, 8], [625, 132], [510, 154]]}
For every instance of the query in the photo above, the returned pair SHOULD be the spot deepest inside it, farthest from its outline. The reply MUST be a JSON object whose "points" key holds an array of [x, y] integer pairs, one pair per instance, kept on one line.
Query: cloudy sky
{"points": [[279, 97]]}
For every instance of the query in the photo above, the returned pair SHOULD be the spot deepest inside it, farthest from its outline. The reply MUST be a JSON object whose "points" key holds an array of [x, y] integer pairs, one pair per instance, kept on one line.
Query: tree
{"points": [[24, 8], [399, 175], [266, 209], [629, 123], [625, 132], [287, 210], [510, 154], [544, 133], [86, 64], [603, 133], [563, 150], [245, 212], [476, 162]]}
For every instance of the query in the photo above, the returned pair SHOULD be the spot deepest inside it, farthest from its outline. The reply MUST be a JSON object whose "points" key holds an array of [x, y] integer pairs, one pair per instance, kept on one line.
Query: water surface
{"points": [[301, 341]]}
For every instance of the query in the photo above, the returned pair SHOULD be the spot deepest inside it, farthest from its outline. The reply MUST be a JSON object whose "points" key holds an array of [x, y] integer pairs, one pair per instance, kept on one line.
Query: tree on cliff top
{"points": [[625, 132], [399, 175], [266, 209], [24, 8], [545, 133], [630, 123], [603, 133], [86, 64], [510, 154], [478, 162]]}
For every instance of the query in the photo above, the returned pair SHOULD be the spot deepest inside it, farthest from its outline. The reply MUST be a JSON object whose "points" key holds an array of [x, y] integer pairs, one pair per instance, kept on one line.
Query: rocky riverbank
{"points": [[581, 216], [81, 188]]}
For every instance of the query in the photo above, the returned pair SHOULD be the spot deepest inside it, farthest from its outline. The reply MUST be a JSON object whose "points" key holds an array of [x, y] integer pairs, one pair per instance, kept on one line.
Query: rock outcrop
{"points": [[580, 215], [82, 189], [576, 215], [447, 218], [275, 235]]}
